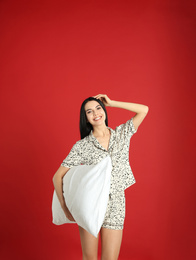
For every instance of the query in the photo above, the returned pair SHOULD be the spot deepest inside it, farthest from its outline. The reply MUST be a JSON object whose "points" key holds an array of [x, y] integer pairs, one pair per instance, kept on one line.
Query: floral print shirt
{"points": [[89, 151]]}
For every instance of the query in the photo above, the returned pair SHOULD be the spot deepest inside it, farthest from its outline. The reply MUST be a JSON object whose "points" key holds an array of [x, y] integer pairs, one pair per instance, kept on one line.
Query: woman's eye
{"points": [[99, 108], [88, 112]]}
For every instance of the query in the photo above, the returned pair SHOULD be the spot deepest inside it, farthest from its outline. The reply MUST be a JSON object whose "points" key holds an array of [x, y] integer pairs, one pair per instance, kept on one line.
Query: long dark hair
{"points": [[86, 127]]}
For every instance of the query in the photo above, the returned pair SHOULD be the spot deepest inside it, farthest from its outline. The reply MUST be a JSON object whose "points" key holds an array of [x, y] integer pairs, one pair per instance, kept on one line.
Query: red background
{"points": [[54, 54]]}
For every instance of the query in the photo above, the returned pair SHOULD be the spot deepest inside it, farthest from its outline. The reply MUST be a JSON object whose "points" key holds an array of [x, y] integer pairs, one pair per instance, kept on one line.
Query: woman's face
{"points": [[94, 113]]}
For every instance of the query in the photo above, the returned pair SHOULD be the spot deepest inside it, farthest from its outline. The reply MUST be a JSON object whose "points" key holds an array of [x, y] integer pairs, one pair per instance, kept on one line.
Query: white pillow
{"points": [[86, 192]]}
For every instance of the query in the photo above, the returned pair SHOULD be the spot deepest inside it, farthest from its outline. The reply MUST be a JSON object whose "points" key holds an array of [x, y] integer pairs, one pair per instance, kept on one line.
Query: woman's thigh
{"points": [[89, 245], [111, 242]]}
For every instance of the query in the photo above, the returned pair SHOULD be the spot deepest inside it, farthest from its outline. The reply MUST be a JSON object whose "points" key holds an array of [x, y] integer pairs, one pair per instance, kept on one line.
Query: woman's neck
{"points": [[101, 131]]}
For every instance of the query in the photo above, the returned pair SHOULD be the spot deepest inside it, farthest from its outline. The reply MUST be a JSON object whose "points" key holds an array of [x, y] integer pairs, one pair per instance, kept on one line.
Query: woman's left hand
{"points": [[105, 99]]}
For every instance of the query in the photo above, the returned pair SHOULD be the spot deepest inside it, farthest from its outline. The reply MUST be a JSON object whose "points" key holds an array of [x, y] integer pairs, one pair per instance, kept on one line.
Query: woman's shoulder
{"points": [[126, 127], [81, 142], [81, 145]]}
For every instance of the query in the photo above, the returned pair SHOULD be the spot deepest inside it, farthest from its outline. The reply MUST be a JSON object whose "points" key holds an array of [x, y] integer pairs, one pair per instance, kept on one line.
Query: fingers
{"points": [[99, 96], [68, 214], [102, 97], [70, 217]]}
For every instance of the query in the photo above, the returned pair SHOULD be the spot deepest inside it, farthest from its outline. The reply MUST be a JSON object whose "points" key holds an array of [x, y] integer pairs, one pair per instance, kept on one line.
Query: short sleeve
{"points": [[127, 129], [131, 126], [73, 158]]}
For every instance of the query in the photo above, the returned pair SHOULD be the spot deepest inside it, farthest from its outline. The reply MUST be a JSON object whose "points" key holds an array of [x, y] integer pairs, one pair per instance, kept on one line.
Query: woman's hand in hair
{"points": [[104, 99]]}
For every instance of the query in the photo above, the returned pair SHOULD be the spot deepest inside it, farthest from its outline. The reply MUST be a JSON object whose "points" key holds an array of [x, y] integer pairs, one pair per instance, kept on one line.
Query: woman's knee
{"points": [[89, 256], [89, 253]]}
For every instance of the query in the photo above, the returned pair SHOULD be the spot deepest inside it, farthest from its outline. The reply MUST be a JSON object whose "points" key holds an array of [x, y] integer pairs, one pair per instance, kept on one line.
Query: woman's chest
{"points": [[93, 155], [94, 152], [104, 141]]}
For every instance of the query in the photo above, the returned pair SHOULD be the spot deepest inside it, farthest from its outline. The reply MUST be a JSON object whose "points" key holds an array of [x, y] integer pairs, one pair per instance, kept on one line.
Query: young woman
{"points": [[97, 141]]}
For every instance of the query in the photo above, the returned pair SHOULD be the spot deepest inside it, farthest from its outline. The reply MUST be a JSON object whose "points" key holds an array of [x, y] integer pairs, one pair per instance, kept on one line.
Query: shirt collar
{"points": [[96, 142]]}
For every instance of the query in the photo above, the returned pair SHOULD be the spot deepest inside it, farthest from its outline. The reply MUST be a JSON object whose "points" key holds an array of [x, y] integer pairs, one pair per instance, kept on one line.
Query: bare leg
{"points": [[111, 242], [89, 245]]}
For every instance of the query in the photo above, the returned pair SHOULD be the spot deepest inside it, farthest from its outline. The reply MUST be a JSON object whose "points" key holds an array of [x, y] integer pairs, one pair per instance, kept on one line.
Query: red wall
{"points": [[54, 54]]}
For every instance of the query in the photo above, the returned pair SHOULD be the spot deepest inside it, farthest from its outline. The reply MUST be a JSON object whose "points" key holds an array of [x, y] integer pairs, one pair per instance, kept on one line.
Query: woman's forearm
{"points": [[58, 185], [137, 108]]}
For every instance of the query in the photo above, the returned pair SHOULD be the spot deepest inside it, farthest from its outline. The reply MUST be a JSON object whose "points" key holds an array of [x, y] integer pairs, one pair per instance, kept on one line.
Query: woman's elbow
{"points": [[146, 109], [60, 173], [54, 178]]}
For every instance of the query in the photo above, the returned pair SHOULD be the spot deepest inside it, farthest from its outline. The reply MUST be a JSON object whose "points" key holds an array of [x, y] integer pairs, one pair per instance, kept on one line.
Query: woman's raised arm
{"points": [[140, 110]]}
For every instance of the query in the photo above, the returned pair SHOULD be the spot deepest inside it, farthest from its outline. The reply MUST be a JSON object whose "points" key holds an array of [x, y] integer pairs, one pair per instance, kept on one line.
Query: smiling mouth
{"points": [[97, 118]]}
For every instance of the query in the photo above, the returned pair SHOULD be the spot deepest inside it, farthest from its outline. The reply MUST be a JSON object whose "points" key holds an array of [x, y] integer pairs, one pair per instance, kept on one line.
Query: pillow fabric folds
{"points": [[86, 193]]}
